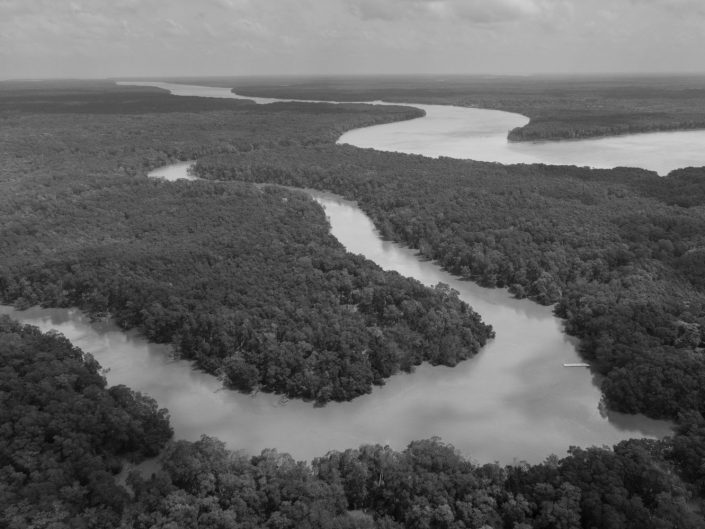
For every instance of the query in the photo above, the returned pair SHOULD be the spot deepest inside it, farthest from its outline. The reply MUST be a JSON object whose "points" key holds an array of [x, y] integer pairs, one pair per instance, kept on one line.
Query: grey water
{"points": [[513, 401], [481, 134]]}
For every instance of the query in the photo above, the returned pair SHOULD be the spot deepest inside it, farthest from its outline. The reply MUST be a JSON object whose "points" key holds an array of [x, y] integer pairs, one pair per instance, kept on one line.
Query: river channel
{"points": [[481, 134], [513, 401]]}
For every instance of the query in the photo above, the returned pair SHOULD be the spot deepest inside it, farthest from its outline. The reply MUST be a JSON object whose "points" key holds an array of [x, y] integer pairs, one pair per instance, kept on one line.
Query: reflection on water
{"points": [[177, 171], [513, 401], [480, 134]]}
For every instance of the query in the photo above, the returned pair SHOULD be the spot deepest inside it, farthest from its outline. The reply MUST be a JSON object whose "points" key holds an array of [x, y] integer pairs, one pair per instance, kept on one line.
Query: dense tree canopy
{"points": [[64, 433], [622, 260], [70, 132], [247, 282], [427, 486]]}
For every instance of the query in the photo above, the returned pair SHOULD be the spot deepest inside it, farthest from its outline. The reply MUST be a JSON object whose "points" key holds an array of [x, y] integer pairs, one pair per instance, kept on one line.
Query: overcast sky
{"points": [[99, 38]]}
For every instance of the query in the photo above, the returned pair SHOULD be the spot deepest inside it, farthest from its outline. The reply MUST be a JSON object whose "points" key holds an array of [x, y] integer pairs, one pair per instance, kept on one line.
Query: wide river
{"points": [[481, 134], [513, 401]]}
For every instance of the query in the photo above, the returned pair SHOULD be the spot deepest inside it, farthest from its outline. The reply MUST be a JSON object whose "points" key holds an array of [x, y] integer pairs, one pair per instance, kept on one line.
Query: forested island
{"points": [[619, 251], [560, 108], [248, 282]]}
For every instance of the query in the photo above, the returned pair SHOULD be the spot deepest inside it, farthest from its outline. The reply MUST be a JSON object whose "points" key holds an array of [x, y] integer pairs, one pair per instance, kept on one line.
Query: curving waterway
{"points": [[513, 401], [481, 134]]}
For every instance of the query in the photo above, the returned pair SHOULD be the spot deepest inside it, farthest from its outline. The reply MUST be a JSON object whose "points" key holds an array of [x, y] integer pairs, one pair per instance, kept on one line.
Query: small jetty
{"points": [[577, 364]]}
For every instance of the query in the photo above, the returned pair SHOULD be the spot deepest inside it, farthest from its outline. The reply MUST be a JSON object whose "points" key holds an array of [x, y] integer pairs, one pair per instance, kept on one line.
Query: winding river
{"points": [[513, 401], [481, 134]]}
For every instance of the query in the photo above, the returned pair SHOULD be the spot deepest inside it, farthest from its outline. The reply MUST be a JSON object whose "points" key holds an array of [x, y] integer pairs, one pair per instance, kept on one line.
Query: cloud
{"points": [[675, 7], [115, 37], [498, 11], [472, 11]]}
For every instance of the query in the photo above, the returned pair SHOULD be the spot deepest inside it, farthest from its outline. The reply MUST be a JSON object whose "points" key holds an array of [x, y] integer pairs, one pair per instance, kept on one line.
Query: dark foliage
{"points": [[427, 486], [210, 267], [626, 269], [64, 434], [64, 131], [203, 485], [683, 187], [247, 282]]}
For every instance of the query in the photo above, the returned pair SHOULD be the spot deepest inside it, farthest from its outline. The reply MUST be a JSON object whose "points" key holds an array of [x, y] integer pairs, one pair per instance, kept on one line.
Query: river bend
{"points": [[513, 401], [481, 134]]}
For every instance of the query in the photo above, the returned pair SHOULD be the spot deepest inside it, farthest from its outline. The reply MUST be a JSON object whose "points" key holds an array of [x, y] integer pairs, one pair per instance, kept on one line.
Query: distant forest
{"points": [[620, 252], [560, 108]]}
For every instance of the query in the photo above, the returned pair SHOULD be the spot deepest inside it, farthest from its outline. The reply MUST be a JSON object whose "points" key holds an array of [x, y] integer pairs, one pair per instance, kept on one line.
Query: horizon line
{"points": [[356, 75]]}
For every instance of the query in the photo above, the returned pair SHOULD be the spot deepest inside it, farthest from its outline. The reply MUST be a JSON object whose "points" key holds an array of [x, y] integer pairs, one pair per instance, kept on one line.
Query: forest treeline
{"points": [[64, 130], [639, 484], [559, 108], [247, 282], [65, 436], [622, 260], [575, 125]]}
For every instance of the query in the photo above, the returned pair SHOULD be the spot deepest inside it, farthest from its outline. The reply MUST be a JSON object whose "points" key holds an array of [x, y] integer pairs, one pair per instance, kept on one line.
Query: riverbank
{"points": [[552, 257], [196, 482], [470, 133], [61, 213], [516, 383], [560, 107], [555, 234]]}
